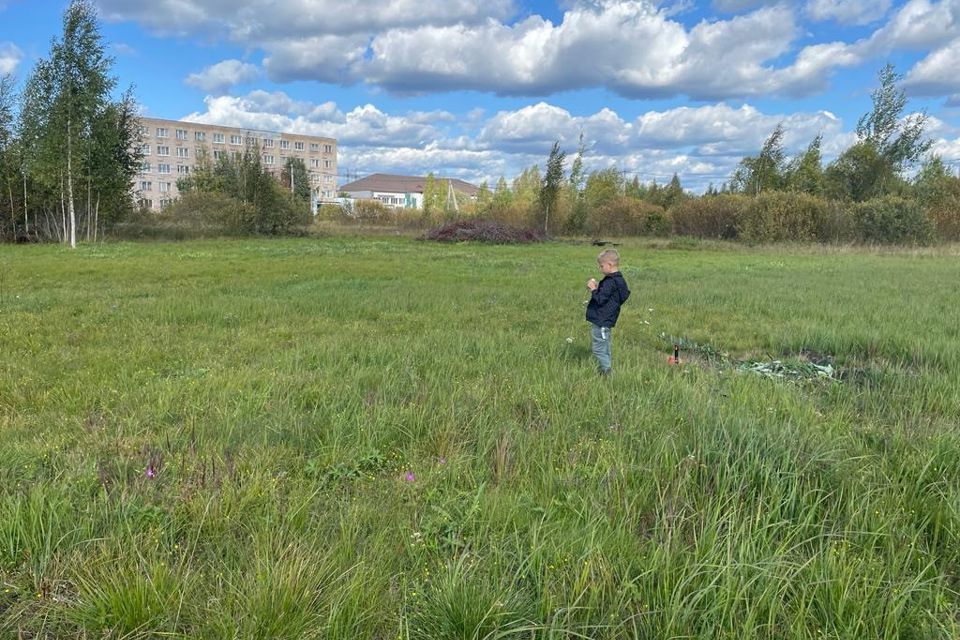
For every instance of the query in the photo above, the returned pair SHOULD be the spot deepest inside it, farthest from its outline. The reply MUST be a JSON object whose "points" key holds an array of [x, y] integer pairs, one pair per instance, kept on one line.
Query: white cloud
{"points": [[124, 49], [10, 57], [636, 48], [218, 78], [324, 58], [256, 21], [594, 45], [701, 144], [848, 11], [936, 74]]}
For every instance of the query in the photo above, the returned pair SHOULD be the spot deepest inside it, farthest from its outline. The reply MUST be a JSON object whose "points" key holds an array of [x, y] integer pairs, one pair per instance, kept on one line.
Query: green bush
{"points": [[623, 216], [194, 215], [945, 216], [709, 217], [782, 216], [892, 220]]}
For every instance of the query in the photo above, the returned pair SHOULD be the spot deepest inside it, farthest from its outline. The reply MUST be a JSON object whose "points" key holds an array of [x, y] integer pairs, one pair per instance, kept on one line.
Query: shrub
{"points": [[479, 230], [627, 217], [892, 220], [194, 215], [945, 216], [781, 216], [709, 217]]}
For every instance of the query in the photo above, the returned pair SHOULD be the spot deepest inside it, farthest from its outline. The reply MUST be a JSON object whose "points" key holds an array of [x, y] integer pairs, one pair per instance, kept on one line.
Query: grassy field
{"points": [[380, 438]]}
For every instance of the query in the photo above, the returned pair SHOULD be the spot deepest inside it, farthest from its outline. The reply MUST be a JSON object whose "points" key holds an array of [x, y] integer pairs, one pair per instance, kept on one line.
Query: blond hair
{"points": [[610, 255]]}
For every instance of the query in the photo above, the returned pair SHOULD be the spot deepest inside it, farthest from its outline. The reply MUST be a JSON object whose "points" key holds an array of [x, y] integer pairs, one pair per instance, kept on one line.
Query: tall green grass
{"points": [[351, 438]]}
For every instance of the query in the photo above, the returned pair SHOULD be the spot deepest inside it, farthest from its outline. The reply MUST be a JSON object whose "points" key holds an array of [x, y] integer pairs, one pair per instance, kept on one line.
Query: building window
{"points": [[298, 146], [181, 134], [163, 151], [144, 131], [268, 159], [314, 146], [162, 132], [236, 155], [268, 142], [183, 169], [145, 167], [252, 141], [146, 203], [146, 185], [217, 154], [199, 136], [164, 203], [314, 162], [236, 139], [327, 148], [163, 168], [182, 152], [284, 144], [326, 164], [145, 149], [164, 187]]}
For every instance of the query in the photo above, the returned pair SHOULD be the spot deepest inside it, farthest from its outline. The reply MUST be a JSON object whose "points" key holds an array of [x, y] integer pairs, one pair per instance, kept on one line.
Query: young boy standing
{"points": [[604, 307]]}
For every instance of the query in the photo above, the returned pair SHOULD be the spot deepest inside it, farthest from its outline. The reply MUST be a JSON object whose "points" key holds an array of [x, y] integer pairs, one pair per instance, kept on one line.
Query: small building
{"points": [[403, 192]]}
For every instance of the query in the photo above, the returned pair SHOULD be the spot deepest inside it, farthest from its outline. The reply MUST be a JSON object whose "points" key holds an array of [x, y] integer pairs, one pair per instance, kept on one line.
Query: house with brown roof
{"points": [[404, 192]]}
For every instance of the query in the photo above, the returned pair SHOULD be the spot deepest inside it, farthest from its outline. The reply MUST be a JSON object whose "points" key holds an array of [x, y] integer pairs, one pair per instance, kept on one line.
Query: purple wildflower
{"points": [[442, 460], [410, 477], [150, 472]]}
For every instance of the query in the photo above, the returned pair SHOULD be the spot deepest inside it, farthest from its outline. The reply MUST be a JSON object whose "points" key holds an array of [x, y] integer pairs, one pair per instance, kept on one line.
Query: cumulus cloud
{"points": [[848, 11], [936, 74], [10, 57], [253, 21], [703, 144], [218, 78], [637, 48]]}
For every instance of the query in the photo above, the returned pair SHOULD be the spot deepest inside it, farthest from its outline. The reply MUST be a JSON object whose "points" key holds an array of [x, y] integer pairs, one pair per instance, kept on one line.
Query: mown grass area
{"points": [[383, 438]]}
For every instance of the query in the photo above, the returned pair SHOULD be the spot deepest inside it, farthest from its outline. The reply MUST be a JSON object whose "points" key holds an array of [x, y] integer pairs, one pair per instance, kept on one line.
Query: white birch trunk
{"points": [[73, 213]]}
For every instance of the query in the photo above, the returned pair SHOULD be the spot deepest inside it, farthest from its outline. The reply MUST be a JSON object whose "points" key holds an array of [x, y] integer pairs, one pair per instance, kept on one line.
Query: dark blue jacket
{"points": [[605, 301]]}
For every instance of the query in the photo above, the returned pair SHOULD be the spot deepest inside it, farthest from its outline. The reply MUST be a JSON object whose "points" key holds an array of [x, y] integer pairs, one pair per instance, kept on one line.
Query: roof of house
{"points": [[403, 184]]}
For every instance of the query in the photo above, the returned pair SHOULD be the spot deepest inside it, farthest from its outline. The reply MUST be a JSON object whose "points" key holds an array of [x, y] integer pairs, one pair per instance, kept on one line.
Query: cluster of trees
{"points": [[69, 153], [239, 195]]}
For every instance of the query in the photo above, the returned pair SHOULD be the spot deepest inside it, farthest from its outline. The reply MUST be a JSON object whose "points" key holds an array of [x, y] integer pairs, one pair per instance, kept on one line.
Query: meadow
{"points": [[346, 437]]}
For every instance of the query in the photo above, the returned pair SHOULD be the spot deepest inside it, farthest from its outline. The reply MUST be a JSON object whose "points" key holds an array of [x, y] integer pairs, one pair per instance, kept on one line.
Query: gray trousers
{"points": [[601, 345]]}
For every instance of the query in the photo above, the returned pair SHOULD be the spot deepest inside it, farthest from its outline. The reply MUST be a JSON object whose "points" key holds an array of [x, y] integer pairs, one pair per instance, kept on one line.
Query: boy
{"points": [[604, 306]]}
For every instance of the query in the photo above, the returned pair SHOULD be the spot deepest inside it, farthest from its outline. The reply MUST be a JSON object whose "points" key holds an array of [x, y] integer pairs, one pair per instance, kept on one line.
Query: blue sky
{"points": [[482, 88]]}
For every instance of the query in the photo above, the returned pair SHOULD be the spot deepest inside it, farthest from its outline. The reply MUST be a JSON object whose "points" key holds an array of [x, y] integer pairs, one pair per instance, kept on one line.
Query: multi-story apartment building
{"points": [[171, 148]]}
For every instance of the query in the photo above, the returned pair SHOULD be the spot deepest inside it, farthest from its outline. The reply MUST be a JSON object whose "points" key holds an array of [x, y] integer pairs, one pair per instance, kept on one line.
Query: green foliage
{"points": [[603, 186], [269, 209], [861, 173], [893, 220], [624, 216], [82, 145], [804, 174], [294, 177], [899, 141], [779, 216], [765, 172], [710, 217], [939, 192], [551, 185]]}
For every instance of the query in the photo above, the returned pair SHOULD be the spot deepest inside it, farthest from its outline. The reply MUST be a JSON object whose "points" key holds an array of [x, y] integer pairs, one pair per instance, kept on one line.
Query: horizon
{"points": [[476, 91]]}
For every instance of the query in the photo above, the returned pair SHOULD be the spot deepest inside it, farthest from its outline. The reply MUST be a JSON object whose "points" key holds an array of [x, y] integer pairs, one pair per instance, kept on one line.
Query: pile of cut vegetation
{"points": [[482, 231]]}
